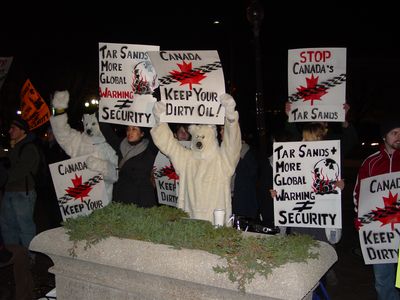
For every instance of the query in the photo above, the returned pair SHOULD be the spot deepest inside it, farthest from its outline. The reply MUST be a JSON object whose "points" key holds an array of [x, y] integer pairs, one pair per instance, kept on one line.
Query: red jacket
{"points": [[376, 164]]}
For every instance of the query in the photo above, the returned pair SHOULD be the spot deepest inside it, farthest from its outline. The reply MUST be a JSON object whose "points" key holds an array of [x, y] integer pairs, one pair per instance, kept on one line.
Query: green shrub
{"points": [[245, 255]]}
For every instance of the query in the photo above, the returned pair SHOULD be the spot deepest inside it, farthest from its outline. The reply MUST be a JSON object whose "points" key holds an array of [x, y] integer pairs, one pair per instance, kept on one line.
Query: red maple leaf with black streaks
{"points": [[168, 171], [79, 190], [186, 75], [390, 214], [311, 92]]}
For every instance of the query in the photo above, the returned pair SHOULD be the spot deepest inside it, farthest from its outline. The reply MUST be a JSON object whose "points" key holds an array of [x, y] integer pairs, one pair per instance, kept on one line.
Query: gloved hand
{"points": [[60, 100], [95, 164], [229, 103], [158, 108]]}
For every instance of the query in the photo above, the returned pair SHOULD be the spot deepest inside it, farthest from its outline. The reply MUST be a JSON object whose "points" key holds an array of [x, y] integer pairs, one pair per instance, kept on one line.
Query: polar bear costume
{"points": [[205, 170], [91, 141]]}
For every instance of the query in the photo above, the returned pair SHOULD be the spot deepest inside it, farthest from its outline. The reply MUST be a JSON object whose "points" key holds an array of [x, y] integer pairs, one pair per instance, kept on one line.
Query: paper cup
{"points": [[219, 217]]}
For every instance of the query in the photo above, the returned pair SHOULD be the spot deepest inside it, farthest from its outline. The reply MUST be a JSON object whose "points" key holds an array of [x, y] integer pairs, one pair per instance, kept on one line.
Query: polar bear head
{"points": [[91, 126], [204, 143]]}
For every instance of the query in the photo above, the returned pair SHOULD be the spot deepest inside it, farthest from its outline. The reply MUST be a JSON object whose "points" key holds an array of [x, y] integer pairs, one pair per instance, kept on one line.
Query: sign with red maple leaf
{"points": [[317, 84], [79, 190], [304, 175], [379, 218], [190, 85], [127, 81], [166, 179]]}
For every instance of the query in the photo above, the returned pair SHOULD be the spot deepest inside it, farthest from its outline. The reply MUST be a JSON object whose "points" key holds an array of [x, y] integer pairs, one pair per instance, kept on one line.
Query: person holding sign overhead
{"points": [[345, 131], [385, 161], [181, 131], [205, 170]]}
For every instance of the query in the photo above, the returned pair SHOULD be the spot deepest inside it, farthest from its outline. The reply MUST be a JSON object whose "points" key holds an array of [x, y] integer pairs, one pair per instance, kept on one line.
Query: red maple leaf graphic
{"points": [[390, 214], [79, 190], [312, 92], [169, 171], [187, 75]]}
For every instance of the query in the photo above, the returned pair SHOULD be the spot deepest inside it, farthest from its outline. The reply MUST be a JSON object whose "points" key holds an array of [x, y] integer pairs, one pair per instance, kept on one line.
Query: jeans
{"points": [[385, 277], [16, 218]]}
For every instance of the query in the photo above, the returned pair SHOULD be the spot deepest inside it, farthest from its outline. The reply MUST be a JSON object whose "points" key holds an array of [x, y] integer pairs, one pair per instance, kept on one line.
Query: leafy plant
{"points": [[245, 256]]}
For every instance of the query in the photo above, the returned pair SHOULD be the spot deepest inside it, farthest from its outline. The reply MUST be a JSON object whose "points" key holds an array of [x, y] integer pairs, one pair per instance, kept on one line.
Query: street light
{"points": [[255, 15]]}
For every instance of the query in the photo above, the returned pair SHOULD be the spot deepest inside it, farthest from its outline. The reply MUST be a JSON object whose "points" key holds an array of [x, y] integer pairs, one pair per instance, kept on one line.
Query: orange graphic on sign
{"points": [[33, 108]]}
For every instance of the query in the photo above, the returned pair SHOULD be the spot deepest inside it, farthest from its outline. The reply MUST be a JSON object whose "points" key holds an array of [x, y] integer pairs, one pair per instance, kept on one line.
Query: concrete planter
{"points": [[130, 269]]}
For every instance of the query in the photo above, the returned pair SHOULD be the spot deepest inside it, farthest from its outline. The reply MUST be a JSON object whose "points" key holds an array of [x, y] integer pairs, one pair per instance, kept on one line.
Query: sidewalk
{"points": [[43, 280], [355, 279]]}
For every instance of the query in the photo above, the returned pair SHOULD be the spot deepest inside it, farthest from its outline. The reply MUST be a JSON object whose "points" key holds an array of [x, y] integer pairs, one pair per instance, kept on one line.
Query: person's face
{"points": [[134, 134], [16, 133], [392, 139], [182, 134]]}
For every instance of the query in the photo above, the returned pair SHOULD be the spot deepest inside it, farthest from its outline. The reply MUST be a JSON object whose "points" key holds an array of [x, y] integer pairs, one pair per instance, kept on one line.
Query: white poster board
{"points": [[190, 85], [303, 177], [166, 179], [126, 82], [317, 84], [79, 190], [379, 218]]}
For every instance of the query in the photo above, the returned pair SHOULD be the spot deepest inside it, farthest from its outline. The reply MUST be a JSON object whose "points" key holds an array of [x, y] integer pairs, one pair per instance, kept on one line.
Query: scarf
{"points": [[128, 151]]}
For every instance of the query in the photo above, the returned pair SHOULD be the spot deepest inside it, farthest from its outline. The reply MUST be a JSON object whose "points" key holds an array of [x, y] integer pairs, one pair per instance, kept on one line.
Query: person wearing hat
{"points": [[16, 215], [384, 161]]}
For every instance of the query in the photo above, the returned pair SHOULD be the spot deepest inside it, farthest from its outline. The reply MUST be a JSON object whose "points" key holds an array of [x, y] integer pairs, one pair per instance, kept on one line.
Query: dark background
{"points": [[56, 47]]}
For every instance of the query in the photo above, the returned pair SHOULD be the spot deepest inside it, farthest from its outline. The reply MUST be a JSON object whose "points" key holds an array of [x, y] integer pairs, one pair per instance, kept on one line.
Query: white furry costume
{"points": [[206, 169], [102, 159]]}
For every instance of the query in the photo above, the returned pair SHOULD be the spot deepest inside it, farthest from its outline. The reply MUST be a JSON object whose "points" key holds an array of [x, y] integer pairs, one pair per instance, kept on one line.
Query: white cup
{"points": [[219, 217]]}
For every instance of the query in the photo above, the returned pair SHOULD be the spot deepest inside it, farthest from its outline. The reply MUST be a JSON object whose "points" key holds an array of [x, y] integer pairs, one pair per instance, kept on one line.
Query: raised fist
{"points": [[60, 100], [229, 103], [158, 109]]}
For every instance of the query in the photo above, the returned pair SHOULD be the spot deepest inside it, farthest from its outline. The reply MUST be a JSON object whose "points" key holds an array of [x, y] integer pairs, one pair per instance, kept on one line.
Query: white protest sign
{"points": [[379, 218], [317, 84], [79, 190], [304, 174], [126, 81], [167, 181], [190, 85]]}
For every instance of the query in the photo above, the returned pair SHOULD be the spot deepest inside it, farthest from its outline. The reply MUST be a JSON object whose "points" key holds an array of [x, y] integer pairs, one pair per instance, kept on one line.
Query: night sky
{"points": [[57, 48]]}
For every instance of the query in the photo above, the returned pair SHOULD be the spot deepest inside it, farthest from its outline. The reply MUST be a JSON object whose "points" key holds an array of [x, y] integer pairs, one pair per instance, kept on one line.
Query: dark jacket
{"points": [[134, 182], [22, 166], [244, 200], [3, 173]]}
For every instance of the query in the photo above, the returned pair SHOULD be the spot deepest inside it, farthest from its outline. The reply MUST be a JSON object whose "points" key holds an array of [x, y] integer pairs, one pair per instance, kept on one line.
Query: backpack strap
{"points": [[19, 155]]}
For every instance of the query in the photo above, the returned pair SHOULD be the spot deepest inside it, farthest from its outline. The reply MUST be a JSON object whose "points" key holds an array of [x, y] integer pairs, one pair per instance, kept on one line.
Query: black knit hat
{"points": [[388, 125], [20, 123]]}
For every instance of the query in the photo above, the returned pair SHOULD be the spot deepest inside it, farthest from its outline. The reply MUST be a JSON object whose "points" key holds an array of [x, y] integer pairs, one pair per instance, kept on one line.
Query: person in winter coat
{"points": [[384, 161], [136, 158], [17, 207]]}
